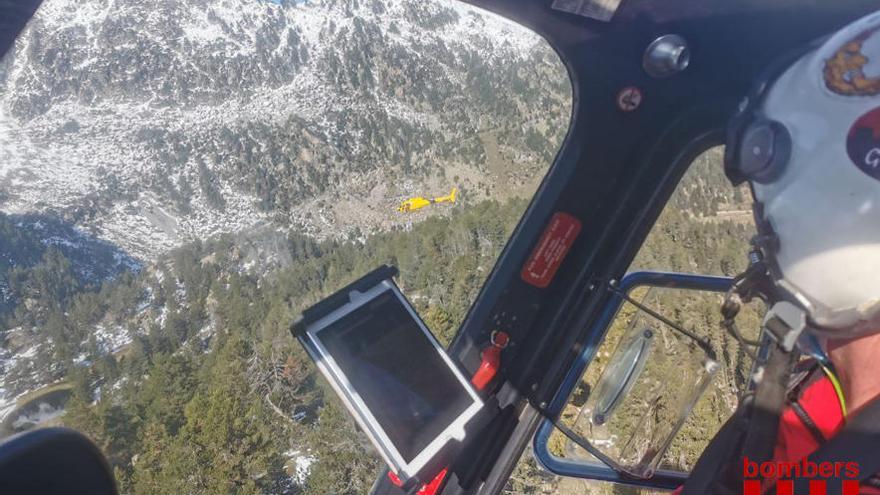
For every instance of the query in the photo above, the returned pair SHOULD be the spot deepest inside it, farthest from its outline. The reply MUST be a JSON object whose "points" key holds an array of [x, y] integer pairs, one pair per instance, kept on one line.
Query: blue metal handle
{"points": [[662, 479]]}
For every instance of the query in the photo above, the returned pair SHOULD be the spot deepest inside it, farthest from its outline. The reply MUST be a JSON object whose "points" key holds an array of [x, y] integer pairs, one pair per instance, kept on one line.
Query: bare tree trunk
{"points": [[278, 410]]}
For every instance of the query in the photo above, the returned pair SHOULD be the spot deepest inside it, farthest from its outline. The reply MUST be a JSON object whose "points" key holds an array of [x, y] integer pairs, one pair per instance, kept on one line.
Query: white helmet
{"points": [[809, 144]]}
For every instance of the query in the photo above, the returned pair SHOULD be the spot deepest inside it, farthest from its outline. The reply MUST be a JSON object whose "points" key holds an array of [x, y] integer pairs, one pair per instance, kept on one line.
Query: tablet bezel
{"points": [[356, 406]]}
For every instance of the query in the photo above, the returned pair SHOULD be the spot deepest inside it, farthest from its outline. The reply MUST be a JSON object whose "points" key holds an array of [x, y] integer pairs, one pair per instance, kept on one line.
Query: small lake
{"points": [[39, 411]]}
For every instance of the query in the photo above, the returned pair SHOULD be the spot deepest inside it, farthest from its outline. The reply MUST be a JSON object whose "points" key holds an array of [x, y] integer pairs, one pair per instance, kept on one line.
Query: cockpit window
{"points": [[704, 229], [178, 179]]}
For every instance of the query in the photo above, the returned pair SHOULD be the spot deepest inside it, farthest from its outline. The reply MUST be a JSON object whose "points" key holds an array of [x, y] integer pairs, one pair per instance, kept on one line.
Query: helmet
{"points": [[807, 140]]}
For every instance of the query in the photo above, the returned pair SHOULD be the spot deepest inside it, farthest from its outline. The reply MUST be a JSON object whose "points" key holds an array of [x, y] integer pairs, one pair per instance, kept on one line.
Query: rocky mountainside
{"points": [[128, 128], [150, 124]]}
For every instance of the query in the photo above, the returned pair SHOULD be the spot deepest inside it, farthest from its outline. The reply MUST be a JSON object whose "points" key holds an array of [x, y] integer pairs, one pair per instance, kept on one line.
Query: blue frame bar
{"points": [[662, 479]]}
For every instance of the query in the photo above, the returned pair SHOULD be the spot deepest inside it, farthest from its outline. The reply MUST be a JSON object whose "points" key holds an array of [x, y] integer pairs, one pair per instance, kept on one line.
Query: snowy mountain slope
{"points": [[154, 123]]}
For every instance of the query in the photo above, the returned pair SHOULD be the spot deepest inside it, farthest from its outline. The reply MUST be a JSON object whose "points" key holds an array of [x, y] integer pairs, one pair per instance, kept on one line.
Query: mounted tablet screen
{"points": [[398, 372], [396, 380]]}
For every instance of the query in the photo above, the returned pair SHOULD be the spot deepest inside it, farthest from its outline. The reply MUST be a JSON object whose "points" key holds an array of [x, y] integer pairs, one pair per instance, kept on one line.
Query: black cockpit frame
{"points": [[614, 172]]}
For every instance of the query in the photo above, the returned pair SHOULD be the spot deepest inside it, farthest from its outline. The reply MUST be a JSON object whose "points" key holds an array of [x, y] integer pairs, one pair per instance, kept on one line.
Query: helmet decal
{"points": [[863, 143], [845, 68]]}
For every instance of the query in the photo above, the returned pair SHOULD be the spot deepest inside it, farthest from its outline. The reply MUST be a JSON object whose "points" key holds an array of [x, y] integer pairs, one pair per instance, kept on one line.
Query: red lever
{"points": [[489, 364], [490, 360], [427, 489], [395, 479]]}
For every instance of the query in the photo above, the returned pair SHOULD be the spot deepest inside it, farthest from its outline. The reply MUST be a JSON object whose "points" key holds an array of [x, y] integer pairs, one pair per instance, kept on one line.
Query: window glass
{"points": [[673, 372], [179, 179], [705, 228]]}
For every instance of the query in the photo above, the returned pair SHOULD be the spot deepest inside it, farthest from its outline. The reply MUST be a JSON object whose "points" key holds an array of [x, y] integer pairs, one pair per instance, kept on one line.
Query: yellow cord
{"points": [[837, 388]]}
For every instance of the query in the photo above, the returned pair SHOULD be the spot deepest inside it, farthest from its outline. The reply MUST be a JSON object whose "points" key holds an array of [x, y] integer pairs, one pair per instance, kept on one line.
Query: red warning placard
{"points": [[555, 242]]}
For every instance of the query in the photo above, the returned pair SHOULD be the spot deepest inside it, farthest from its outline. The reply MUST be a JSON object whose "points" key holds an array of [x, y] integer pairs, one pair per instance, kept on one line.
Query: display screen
{"points": [[397, 371]]}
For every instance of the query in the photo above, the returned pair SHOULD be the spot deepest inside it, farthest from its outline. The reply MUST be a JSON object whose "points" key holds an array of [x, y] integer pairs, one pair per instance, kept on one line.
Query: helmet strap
{"points": [[757, 418]]}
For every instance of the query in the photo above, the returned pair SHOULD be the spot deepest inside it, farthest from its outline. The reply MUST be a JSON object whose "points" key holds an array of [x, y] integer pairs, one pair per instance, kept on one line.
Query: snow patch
{"points": [[302, 464]]}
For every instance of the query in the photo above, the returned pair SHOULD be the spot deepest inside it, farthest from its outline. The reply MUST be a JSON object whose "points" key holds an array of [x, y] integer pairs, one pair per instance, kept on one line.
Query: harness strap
{"points": [[858, 441], [719, 469], [807, 374], [808, 422], [713, 465]]}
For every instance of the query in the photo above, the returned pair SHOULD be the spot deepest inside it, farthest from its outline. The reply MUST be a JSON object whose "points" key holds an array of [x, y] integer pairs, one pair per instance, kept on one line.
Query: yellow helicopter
{"points": [[417, 203]]}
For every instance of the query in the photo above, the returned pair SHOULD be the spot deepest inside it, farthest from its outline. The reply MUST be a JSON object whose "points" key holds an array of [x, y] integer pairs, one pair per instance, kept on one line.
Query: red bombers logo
{"points": [[863, 143], [758, 476]]}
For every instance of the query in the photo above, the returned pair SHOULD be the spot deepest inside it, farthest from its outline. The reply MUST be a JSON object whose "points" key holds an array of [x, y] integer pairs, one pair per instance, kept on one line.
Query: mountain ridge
{"points": [[154, 126]]}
